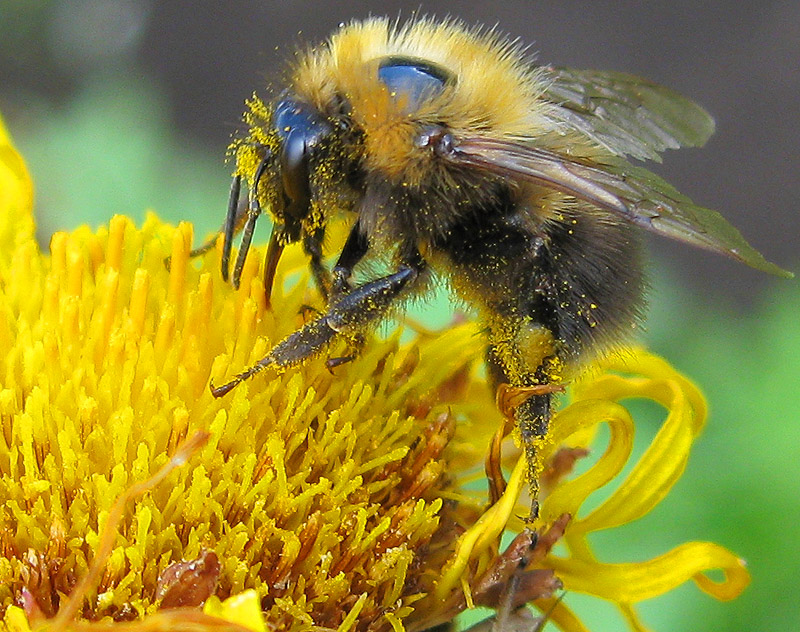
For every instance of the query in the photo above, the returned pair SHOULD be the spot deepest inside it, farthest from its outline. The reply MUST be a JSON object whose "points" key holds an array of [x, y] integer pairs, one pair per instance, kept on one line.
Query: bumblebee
{"points": [[453, 156]]}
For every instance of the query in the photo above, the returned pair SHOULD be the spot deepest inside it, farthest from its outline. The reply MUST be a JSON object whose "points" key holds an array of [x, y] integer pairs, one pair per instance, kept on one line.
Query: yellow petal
{"points": [[244, 609], [485, 532], [570, 495], [662, 463], [633, 582], [664, 460], [15, 620], [16, 198], [632, 617], [560, 614]]}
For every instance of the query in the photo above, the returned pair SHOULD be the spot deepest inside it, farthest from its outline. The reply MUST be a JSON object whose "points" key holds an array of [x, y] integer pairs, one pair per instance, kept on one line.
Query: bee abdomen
{"points": [[593, 274], [580, 277]]}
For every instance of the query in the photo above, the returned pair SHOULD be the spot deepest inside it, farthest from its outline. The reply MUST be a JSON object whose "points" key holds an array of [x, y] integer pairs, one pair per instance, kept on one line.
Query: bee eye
{"points": [[301, 128], [416, 80], [294, 117], [294, 166]]}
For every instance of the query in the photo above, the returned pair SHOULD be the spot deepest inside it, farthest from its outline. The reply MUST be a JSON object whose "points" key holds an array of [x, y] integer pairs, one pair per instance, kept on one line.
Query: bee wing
{"points": [[626, 114], [632, 192]]}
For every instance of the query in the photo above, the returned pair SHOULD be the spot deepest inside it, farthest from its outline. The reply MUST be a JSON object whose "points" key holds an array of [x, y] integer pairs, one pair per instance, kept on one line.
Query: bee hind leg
{"points": [[526, 387], [533, 420]]}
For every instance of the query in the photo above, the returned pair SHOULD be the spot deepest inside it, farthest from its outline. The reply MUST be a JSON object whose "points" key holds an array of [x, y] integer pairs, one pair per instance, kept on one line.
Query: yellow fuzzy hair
{"points": [[496, 90]]}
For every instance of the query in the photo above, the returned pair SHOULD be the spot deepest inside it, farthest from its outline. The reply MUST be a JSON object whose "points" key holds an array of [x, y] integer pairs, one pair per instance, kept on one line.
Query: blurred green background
{"points": [[125, 106]]}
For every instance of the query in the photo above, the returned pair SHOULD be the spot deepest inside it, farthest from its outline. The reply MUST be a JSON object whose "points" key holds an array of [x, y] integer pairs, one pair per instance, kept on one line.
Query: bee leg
{"points": [[357, 343], [349, 314], [353, 251], [312, 244], [533, 421], [529, 396], [249, 217], [306, 311], [333, 363], [247, 236]]}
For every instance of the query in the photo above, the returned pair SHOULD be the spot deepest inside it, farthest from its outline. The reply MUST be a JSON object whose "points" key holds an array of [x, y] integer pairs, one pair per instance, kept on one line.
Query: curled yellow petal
{"points": [[570, 495], [651, 478], [660, 466], [486, 531], [637, 581], [639, 362]]}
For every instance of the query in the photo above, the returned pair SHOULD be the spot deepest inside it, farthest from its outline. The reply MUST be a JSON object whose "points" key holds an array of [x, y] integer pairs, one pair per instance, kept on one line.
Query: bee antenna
{"points": [[229, 228], [253, 211], [198, 252]]}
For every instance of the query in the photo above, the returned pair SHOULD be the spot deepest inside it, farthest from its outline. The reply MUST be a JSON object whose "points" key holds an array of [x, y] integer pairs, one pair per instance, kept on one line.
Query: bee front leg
{"points": [[234, 219], [350, 313], [312, 244], [353, 251]]}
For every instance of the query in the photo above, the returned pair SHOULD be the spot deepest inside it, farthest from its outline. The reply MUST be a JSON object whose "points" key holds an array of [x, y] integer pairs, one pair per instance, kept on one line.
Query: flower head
{"points": [[320, 499]]}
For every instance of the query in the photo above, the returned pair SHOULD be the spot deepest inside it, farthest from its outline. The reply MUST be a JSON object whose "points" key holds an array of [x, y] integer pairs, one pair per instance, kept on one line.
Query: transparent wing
{"points": [[633, 192], [626, 114]]}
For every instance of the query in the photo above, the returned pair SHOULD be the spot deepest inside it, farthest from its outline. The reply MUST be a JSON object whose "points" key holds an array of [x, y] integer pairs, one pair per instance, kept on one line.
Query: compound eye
{"points": [[413, 81], [301, 128], [293, 116], [294, 166]]}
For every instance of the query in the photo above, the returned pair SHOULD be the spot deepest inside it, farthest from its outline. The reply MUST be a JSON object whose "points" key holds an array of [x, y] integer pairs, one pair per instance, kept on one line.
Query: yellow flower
{"points": [[320, 499]]}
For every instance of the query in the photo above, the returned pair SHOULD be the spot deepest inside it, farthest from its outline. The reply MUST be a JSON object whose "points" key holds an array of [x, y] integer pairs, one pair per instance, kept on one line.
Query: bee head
{"points": [[284, 140], [291, 136], [287, 142]]}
